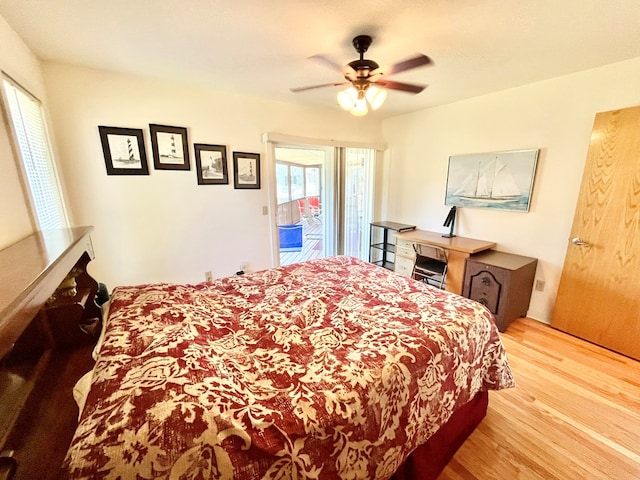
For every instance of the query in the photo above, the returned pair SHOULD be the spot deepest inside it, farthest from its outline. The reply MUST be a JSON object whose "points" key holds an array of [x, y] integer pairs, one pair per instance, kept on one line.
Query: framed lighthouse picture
{"points": [[246, 170], [170, 147], [124, 152], [211, 164]]}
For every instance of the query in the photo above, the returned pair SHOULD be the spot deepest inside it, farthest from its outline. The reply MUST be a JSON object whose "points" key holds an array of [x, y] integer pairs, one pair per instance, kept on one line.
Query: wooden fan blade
{"points": [[404, 87], [311, 87], [415, 62], [327, 62]]}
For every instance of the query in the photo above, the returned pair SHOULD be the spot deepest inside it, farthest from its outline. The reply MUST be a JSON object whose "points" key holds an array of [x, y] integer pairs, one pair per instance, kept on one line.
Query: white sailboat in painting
{"points": [[491, 182]]}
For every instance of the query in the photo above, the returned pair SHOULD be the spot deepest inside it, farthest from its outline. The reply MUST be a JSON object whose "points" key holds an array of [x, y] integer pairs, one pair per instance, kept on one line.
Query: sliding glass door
{"points": [[357, 193], [324, 201], [304, 186]]}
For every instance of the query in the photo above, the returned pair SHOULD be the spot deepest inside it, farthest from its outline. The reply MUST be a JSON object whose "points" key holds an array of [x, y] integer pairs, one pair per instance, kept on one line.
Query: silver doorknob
{"points": [[578, 241]]}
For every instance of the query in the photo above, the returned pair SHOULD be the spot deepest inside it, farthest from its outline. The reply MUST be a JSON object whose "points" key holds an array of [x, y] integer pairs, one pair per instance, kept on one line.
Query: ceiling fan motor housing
{"points": [[362, 43], [362, 66]]}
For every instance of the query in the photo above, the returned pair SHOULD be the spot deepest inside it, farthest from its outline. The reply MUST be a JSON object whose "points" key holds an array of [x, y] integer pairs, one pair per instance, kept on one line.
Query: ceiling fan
{"points": [[366, 78]]}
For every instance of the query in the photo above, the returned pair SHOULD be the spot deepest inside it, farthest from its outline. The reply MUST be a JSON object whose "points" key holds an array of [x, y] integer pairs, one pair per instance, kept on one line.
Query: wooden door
{"points": [[599, 293]]}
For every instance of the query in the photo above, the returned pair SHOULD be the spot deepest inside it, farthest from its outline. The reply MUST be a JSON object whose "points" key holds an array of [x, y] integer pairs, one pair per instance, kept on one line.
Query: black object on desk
{"points": [[450, 222]]}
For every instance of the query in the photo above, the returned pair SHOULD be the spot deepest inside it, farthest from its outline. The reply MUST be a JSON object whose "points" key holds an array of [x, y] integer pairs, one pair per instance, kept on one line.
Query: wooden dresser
{"points": [[502, 282], [46, 295]]}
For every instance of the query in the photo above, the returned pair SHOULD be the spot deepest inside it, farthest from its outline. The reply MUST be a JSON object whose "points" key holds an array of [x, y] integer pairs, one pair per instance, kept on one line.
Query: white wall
{"points": [[555, 116], [17, 61], [166, 227]]}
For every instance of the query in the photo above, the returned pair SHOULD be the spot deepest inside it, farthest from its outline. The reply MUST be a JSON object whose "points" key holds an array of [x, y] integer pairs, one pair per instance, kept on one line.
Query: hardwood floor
{"points": [[574, 414], [45, 428]]}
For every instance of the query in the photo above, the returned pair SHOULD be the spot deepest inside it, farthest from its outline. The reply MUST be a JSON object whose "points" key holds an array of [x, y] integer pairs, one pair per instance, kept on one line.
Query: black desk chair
{"points": [[431, 265]]}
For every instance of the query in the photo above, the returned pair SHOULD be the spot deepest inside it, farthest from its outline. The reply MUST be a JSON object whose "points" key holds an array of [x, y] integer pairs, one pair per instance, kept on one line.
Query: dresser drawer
{"points": [[485, 289], [502, 282]]}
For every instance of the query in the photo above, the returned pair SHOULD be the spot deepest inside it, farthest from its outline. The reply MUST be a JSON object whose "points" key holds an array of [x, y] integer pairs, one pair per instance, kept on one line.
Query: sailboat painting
{"points": [[497, 180]]}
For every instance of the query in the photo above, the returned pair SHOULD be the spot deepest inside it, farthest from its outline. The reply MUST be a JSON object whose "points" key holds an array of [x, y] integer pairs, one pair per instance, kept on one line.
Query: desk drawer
{"points": [[405, 248], [404, 265], [404, 244]]}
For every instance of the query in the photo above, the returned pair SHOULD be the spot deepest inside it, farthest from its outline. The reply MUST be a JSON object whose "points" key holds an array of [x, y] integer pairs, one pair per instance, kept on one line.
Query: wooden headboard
{"points": [[31, 270]]}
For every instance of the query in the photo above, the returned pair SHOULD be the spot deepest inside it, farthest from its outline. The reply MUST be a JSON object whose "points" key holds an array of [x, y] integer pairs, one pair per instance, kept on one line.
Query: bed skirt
{"points": [[429, 460]]}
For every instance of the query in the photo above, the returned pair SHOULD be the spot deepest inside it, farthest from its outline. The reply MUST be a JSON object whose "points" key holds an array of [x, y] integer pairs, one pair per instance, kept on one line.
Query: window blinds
{"points": [[33, 143]]}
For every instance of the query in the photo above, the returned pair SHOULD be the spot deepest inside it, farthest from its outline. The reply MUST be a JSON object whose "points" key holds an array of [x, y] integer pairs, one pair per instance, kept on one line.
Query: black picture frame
{"points": [[123, 150], [211, 164], [246, 170], [170, 147]]}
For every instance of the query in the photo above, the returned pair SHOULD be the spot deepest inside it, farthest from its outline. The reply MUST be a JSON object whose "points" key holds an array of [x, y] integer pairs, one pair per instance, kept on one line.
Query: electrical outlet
{"points": [[207, 276], [539, 285]]}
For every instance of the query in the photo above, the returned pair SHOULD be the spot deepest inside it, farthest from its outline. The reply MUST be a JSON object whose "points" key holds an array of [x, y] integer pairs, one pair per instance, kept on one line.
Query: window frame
{"points": [[41, 216]]}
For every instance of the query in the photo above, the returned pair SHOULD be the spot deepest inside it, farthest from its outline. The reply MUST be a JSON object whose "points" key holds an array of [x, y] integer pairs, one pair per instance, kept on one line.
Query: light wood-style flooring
{"points": [[574, 414]]}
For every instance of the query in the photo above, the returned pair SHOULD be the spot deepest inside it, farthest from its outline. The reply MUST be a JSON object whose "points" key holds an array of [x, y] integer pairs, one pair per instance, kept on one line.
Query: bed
{"points": [[331, 368]]}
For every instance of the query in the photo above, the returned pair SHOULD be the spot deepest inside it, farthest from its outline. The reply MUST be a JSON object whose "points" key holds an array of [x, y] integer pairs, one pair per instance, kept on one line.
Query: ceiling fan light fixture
{"points": [[362, 73], [358, 100], [347, 98], [376, 96], [360, 107]]}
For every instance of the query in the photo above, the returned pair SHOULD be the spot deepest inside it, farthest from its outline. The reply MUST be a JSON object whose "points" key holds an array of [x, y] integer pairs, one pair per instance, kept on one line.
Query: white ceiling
{"points": [[261, 47]]}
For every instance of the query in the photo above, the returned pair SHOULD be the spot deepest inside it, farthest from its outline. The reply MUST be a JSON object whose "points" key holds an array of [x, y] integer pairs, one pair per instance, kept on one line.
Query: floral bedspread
{"points": [[332, 368]]}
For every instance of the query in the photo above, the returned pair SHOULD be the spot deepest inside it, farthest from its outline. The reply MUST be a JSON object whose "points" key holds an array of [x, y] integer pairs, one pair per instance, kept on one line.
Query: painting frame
{"points": [[216, 169], [123, 150], [166, 155], [493, 180], [246, 170]]}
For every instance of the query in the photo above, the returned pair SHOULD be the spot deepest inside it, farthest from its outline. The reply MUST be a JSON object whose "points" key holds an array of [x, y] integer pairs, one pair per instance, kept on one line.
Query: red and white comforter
{"points": [[332, 368]]}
